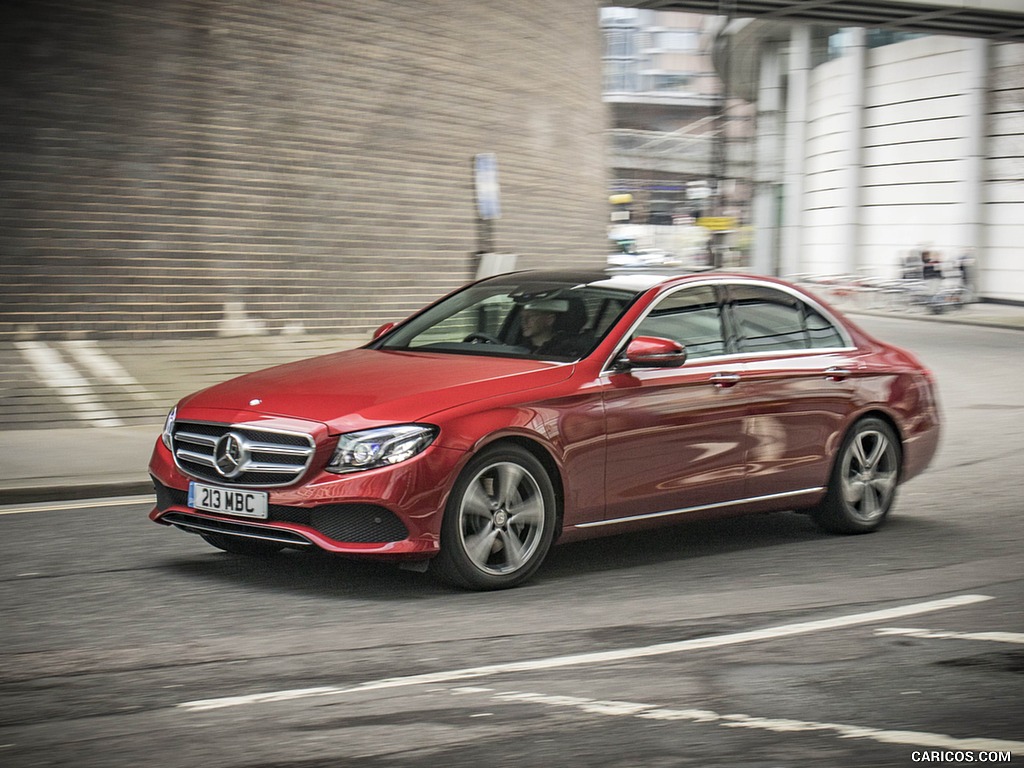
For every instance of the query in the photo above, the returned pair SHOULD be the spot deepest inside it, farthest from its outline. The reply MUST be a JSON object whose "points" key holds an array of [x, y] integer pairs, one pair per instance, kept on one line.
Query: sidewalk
{"points": [[89, 433], [91, 436]]}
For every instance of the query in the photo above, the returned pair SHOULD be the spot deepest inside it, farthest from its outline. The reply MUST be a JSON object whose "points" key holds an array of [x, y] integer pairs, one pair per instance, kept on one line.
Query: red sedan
{"points": [[538, 407]]}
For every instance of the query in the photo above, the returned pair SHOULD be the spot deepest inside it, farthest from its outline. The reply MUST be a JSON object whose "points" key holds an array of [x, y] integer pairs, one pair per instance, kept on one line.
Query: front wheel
{"points": [[499, 521], [863, 484]]}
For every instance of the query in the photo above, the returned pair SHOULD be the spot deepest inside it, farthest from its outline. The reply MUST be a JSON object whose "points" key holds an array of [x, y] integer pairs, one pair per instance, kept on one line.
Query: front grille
{"points": [[241, 454], [352, 523]]}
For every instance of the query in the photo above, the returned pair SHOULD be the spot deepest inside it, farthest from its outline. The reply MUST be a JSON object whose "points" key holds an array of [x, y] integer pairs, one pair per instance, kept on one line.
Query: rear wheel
{"points": [[499, 522], [863, 484], [237, 545]]}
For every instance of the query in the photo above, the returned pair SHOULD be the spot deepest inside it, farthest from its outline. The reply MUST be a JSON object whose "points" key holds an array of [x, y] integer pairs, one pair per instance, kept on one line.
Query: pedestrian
{"points": [[931, 265], [910, 269], [965, 271]]}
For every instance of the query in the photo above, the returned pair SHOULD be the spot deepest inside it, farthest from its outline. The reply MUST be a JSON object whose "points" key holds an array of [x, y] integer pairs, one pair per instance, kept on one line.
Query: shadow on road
{"points": [[320, 574]]}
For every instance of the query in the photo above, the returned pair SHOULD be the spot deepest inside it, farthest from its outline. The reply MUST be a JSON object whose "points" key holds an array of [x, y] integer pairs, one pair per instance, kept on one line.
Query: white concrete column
{"points": [[799, 65], [974, 217], [856, 63], [767, 164]]}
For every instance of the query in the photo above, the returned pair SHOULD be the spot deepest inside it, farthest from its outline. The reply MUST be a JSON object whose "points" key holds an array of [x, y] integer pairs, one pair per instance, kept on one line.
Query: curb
{"points": [[946, 319], [28, 494]]}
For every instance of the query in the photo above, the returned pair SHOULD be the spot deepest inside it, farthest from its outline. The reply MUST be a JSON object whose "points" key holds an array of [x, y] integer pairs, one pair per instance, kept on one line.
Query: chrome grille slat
{"points": [[265, 466], [198, 458], [261, 457], [192, 437], [282, 450]]}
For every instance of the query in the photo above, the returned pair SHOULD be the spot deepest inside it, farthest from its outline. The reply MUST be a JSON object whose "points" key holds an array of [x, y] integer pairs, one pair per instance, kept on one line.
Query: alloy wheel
{"points": [[501, 518]]}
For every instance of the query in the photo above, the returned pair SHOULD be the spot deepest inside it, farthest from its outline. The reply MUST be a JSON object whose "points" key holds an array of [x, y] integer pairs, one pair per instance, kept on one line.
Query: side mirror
{"points": [[654, 352], [382, 330]]}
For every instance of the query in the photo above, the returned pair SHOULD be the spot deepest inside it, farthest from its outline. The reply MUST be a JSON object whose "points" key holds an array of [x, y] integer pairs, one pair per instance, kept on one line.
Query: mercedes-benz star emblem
{"points": [[230, 454]]}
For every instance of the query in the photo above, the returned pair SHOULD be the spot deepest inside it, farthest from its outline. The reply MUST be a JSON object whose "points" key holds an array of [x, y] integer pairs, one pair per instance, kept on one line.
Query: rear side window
{"points": [[692, 317], [766, 320], [821, 334]]}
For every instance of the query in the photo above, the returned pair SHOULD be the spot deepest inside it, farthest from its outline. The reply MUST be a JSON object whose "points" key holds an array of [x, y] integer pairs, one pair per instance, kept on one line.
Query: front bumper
{"points": [[388, 513]]}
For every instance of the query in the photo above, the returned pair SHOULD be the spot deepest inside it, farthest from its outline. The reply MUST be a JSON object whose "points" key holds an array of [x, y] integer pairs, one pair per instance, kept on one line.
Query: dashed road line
{"points": [[598, 657], [64, 506], [77, 387], [645, 711], [1016, 638], [88, 354], [73, 388]]}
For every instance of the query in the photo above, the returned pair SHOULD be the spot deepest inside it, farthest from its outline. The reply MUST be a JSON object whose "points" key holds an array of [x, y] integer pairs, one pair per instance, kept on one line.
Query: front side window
{"points": [[691, 317], [766, 319]]}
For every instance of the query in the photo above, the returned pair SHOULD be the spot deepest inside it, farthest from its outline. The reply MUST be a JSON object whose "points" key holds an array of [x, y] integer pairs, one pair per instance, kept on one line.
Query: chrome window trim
{"points": [[701, 508], [608, 367]]}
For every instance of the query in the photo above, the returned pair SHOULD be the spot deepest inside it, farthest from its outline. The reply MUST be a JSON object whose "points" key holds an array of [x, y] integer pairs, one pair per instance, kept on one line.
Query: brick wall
{"points": [[299, 163]]}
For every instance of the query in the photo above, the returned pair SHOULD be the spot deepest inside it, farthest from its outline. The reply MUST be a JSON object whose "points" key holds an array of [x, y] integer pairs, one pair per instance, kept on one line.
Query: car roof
{"points": [[631, 281], [628, 280]]}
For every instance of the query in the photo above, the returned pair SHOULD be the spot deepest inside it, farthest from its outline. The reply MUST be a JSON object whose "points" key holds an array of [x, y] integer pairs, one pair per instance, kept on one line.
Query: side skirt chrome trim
{"points": [[702, 508]]}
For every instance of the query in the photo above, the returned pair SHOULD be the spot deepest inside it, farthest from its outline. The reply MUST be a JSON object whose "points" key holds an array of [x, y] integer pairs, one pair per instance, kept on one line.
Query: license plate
{"points": [[227, 501]]}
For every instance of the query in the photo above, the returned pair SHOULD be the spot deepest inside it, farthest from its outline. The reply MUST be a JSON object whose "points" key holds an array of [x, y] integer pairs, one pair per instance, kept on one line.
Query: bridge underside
{"points": [[994, 19]]}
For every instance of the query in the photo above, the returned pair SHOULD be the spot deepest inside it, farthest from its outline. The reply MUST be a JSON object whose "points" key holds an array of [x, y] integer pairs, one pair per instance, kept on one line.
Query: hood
{"points": [[367, 387]]}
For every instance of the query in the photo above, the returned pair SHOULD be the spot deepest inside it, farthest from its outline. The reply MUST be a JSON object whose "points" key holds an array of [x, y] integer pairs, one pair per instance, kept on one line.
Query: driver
{"points": [[539, 327]]}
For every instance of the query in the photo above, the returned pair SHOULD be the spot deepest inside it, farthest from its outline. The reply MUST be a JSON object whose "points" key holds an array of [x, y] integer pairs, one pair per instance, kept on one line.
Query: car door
{"points": [[797, 378], [675, 435]]}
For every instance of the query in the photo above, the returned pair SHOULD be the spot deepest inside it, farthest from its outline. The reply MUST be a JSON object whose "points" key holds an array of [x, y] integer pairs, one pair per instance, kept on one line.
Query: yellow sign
{"points": [[717, 223]]}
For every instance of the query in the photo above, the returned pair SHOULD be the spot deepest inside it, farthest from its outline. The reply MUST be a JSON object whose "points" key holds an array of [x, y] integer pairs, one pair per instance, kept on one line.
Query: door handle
{"points": [[835, 373], [725, 380]]}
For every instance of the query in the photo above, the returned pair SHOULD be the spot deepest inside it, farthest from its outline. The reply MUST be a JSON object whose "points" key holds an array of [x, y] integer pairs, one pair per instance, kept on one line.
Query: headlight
{"points": [[169, 428], [382, 447]]}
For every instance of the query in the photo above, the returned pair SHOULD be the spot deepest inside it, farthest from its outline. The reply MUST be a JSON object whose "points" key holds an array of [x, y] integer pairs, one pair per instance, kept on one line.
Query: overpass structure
{"points": [[1001, 20]]}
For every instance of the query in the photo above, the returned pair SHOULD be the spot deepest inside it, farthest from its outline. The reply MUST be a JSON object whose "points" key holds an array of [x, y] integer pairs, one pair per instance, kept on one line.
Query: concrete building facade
{"points": [[672, 132], [877, 150], [197, 167]]}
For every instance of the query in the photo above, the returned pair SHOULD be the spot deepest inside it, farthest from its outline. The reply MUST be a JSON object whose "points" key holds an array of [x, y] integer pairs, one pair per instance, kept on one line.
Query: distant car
{"points": [[645, 258], [538, 407]]}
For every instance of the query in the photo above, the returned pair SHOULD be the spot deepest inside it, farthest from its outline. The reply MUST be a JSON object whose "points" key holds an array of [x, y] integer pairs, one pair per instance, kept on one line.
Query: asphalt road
{"points": [[753, 642]]}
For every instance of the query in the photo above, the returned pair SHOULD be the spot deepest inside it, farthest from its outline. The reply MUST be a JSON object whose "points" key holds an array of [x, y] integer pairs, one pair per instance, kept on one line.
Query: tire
{"points": [[499, 521], [864, 480], [237, 545]]}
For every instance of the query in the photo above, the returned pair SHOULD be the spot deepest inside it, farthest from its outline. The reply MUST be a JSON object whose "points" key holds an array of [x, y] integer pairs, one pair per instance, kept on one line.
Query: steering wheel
{"points": [[486, 338]]}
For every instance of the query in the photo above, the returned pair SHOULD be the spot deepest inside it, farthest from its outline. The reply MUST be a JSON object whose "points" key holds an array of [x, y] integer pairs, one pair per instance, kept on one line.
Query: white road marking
{"points": [[598, 657], [89, 355], [63, 506], [775, 725], [73, 388], [928, 634]]}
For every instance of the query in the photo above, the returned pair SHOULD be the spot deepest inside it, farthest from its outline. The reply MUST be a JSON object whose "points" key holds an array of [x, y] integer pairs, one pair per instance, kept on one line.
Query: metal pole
{"points": [[720, 157]]}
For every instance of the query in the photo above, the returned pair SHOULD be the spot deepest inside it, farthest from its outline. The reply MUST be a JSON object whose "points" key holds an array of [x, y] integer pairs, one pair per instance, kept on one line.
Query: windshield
{"points": [[526, 316]]}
